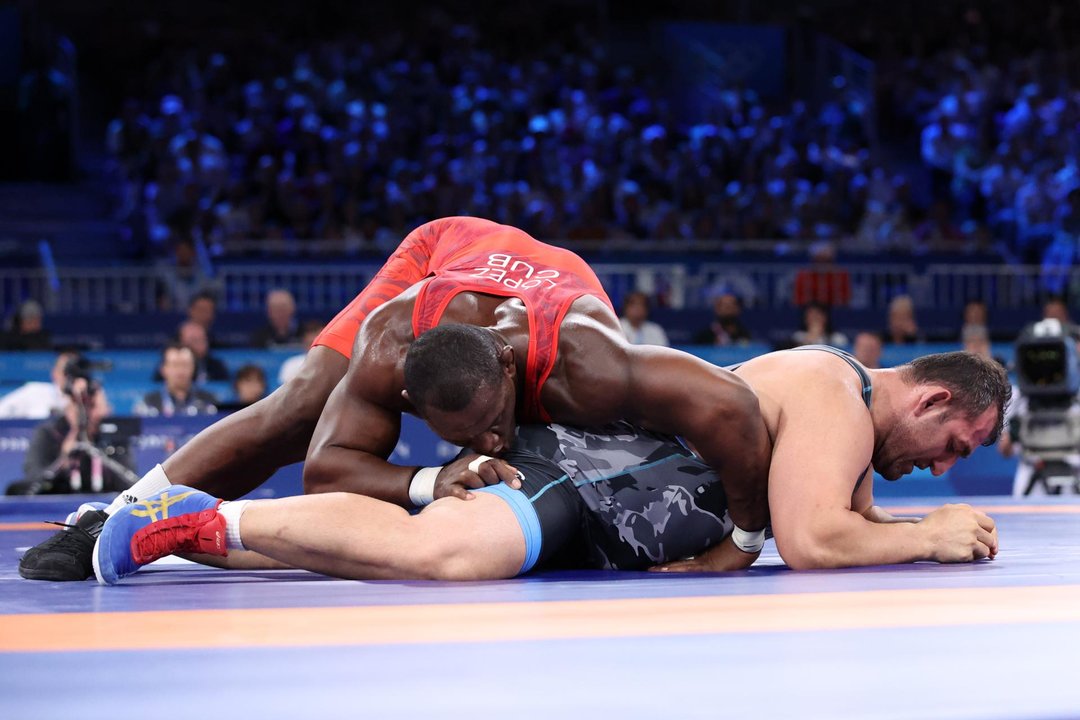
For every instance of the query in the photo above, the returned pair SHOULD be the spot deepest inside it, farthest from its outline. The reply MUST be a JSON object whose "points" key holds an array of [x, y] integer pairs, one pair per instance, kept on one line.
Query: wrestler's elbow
{"points": [[802, 557], [738, 402], [318, 476], [807, 549]]}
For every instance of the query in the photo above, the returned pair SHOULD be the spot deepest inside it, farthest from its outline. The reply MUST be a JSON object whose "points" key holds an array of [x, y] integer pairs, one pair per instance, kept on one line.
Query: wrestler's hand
{"points": [[960, 533], [719, 558], [456, 479]]}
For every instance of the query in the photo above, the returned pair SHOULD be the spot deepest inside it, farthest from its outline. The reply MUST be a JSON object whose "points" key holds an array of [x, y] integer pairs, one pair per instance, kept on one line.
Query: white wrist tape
{"points": [[474, 466], [422, 487], [748, 542]]}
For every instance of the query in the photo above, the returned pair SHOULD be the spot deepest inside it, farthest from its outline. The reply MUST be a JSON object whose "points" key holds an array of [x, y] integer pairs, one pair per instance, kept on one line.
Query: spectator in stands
{"points": [[182, 277], [208, 368], [179, 396], [38, 400], [726, 327], [937, 231], [292, 365], [902, 327], [975, 315], [281, 329], [817, 328], [976, 339], [51, 466], [637, 327], [27, 329], [249, 385], [823, 283], [867, 349], [202, 309], [1056, 308], [549, 136]]}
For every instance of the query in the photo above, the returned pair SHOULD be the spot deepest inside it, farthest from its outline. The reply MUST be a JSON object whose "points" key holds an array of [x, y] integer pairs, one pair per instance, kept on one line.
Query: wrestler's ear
{"points": [[932, 397], [506, 358]]}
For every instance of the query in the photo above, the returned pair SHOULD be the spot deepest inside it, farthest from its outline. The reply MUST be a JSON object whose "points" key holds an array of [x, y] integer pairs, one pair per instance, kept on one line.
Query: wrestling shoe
{"points": [[177, 520], [68, 554], [73, 517]]}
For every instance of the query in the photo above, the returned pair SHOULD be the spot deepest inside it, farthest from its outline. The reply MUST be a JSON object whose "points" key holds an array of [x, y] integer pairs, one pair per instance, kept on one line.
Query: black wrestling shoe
{"points": [[67, 555]]}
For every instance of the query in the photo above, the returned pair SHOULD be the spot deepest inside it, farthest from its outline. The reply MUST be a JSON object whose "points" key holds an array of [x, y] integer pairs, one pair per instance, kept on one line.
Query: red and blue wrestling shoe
{"points": [[177, 520]]}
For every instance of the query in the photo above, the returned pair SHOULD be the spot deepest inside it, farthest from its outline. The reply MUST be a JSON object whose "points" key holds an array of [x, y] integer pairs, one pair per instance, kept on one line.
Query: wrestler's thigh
{"points": [[475, 539]]}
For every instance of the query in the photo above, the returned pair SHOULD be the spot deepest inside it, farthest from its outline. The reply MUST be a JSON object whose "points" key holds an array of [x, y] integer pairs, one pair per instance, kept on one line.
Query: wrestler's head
{"points": [[954, 403], [462, 380]]}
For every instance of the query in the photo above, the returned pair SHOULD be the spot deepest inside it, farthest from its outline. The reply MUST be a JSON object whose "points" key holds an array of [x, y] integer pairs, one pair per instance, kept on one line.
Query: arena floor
{"points": [[996, 639]]}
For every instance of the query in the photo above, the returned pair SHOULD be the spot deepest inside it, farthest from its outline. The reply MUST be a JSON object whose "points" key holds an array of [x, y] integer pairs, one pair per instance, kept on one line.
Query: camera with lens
{"points": [[1047, 423], [80, 368]]}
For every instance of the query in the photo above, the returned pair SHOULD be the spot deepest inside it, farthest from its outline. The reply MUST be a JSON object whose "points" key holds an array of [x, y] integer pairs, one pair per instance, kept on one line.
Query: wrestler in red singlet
{"points": [[465, 254]]}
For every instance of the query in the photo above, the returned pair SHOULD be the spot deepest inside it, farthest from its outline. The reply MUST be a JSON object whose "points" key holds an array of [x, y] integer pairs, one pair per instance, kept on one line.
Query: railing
{"points": [[327, 288]]}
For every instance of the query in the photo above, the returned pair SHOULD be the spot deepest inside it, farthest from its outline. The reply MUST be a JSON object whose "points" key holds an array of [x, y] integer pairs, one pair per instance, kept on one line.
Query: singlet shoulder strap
{"points": [[867, 390]]}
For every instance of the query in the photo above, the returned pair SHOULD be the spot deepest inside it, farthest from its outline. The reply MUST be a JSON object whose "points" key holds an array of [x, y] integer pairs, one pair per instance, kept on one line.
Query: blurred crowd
{"points": [[354, 142], [344, 145]]}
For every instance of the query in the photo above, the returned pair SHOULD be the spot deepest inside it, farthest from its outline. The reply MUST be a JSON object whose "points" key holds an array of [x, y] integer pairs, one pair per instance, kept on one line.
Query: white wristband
{"points": [[748, 542], [422, 487]]}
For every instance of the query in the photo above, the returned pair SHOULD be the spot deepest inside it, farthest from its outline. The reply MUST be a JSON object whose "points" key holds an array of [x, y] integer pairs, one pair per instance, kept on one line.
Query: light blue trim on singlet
{"points": [[526, 517], [547, 487]]}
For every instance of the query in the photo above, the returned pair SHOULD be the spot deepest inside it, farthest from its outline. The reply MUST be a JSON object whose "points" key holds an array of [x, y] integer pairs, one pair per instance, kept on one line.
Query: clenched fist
{"points": [[960, 533]]}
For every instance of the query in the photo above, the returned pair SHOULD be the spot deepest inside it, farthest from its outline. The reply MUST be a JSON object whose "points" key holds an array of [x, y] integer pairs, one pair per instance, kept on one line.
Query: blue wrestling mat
{"points": [[994, 639]]}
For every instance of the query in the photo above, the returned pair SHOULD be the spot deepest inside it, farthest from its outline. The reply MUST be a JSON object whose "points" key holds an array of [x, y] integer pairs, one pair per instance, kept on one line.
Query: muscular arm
{"points": [[862, 502], [823, 443], [715, 411], [352, 440]]}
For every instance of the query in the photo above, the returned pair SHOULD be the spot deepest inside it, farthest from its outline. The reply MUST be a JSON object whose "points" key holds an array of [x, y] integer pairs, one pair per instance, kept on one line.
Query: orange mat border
{"points": [[503, 622], [992, 509], [898, 509]]}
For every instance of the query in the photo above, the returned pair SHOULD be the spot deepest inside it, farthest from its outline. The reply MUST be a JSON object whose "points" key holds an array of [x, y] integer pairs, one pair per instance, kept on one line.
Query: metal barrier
{"points": [[327, 288]]}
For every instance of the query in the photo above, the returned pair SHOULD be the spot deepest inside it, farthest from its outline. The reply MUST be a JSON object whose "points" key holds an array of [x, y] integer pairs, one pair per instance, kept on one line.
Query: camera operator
{"points": [[1043, 421], [69, 452]]}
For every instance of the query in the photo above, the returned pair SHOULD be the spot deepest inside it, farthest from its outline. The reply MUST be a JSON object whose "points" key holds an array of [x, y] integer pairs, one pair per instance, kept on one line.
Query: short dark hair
{"points": [[175, 345], [446, 366], [975, 382], [636, 295], [250, 372], [203, 295]]}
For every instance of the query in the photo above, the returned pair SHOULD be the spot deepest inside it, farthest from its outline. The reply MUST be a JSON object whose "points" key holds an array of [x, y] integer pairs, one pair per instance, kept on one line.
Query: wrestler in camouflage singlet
{"points": [[613, 497]]}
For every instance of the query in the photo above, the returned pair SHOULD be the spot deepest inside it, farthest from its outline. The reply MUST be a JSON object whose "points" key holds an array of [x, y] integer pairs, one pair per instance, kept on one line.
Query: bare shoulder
{"points": [[376, 371], [808, 396], [787, 376], [591, 368]]}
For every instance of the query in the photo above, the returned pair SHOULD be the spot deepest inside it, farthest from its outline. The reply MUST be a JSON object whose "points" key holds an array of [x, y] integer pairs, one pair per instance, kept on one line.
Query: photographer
{"points": [[69, 453]]}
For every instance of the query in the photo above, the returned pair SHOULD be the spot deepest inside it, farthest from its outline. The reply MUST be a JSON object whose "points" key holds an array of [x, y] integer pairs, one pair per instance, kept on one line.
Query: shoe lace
{"points": [[73, 542], [62, 524], [170, 536]]}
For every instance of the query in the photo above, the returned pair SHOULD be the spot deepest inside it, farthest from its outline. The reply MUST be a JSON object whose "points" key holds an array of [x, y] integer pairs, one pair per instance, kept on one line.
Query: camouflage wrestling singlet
{"points": [[617, 496]]}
